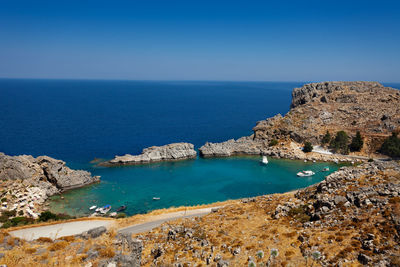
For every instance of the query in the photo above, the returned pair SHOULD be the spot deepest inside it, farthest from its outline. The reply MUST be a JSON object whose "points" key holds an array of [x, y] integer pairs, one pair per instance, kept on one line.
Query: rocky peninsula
{"points": [[27, 182], [170, 152], [316, 108]]}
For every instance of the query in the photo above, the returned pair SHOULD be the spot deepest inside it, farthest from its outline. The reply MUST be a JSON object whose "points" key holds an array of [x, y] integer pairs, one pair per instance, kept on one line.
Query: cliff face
{"points": [[368, 107], [170, 152], [44, 172]]}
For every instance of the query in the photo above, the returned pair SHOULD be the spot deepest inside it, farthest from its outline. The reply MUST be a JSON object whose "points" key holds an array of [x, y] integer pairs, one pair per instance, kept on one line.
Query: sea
{"points": [[82, 120]]}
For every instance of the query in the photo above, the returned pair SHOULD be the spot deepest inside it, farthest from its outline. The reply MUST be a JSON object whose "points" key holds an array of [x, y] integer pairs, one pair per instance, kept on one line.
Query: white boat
{"points": [[156, 198], [105, 209], [305, 173], [326, 169], [92, 207], [98, 209], [264, 160]]}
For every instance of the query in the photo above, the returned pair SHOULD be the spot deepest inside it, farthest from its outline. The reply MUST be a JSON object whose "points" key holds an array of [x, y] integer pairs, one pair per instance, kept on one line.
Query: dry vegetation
{"points": [[248, 231]]}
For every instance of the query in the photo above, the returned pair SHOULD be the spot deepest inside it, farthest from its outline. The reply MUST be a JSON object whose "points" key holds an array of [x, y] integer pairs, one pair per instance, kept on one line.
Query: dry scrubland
{"points": [[352, 218]]}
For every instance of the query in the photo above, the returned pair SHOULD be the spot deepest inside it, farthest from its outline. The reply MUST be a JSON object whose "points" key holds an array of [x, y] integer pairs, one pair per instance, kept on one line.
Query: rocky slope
{"points": [[349, 219], [368, 107], [170, 152], [27, 181], [352, 218]]}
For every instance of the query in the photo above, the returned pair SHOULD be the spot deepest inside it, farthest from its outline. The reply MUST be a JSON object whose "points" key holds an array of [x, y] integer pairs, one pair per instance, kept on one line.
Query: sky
{"points": [[201, 40]]}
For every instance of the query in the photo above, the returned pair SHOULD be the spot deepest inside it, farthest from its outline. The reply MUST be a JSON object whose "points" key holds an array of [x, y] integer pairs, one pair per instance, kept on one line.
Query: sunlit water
{"points": [[188, 183]]}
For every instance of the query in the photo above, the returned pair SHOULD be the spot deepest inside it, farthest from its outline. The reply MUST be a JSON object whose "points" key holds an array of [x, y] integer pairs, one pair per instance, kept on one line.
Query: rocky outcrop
{"points": [[245, 145], [170, 152], [45, 171], [368, 107]]}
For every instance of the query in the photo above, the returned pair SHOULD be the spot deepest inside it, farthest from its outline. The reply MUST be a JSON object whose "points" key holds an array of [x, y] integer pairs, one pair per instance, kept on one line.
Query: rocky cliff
{"points": [[170, 152], [368, 107], [46, 171], [26, 182]]}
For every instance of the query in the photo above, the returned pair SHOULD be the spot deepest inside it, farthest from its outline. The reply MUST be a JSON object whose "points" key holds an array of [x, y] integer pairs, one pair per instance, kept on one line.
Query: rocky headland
{"points": [[170, 152], [316, 108], [26, 182]]}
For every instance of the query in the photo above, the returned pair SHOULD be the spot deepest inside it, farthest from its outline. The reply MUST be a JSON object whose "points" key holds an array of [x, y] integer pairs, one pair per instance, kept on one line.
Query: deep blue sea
{"points": [[79, 120]]}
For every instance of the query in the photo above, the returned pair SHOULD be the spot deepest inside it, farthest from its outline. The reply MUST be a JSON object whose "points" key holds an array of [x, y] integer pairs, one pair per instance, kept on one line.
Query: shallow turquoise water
{"points": [[188, 183]]}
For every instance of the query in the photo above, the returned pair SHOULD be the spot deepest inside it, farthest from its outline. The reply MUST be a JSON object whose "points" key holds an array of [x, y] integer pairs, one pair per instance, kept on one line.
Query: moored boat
{"points": [[305, 173], [156, 198], [264, 160], [326, 169], [105, 209], [121, 208], [92, 207]]}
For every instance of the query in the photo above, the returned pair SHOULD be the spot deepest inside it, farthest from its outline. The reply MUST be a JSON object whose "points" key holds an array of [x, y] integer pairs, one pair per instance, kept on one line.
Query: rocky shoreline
{"points": [[170, 152], [316, 108], [27, 182]]}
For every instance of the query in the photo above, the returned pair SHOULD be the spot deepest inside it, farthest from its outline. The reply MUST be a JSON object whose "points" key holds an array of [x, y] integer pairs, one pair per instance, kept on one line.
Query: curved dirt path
{"points": [[58, 230], [162, 218]]}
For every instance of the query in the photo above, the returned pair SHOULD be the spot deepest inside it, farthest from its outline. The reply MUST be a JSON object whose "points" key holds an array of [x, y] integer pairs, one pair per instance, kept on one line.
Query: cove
{"points": [[185, 183]]}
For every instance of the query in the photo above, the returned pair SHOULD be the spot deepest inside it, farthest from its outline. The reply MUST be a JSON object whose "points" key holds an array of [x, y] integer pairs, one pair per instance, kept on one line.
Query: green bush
{"points": [[5, 216], [4, 199], [273, 142], [327, 138], [47, 215], [307, 147], [391, 146], [340, 143], [357, 142], [21, 221]]}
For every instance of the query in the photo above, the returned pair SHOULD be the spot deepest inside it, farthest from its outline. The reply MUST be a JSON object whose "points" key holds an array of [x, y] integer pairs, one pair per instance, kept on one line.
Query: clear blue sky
{"points": [[201, 40]]}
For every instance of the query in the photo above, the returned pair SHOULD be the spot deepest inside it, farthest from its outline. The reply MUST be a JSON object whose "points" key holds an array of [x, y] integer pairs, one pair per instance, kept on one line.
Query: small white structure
{"points": [[264, 160]]}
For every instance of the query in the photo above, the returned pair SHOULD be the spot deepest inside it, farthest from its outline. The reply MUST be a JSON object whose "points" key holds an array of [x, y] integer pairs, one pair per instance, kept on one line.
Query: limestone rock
{"points": [[316, 108], [45, 172], [170, 152]]}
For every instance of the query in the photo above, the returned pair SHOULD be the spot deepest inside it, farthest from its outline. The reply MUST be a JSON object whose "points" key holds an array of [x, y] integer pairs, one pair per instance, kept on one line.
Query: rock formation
{"points": [[43, 170], [27, 182], [368, 107], [170, 152]]}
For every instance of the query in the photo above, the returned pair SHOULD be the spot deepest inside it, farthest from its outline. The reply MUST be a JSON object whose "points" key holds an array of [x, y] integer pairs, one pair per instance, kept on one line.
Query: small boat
{"points": [[326, 169], [156, 198], [105, 209], [98, 209], [264, 160], [122, 208], [92, 207], [113, 214], [305, 173]]}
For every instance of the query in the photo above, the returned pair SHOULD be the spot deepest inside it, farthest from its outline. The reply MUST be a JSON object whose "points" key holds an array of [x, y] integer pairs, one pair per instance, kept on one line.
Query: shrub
{"points": [[327, 138], [391, 146], [21, 221], [307, 147], [21, 212], [370, 160], [44, 240], [273, 142], [357, 142], [47, 215], [107, 252], [340, 143], [58, 245], [4, 199], [5, 216]]}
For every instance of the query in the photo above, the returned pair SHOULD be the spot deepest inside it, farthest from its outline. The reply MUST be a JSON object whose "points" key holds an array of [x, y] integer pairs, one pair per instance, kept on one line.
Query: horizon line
{"points": [[183, 80]]}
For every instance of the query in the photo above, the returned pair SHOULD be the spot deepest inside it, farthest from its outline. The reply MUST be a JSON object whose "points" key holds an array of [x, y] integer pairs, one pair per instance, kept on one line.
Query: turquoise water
{"points": [[188, 182]]}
